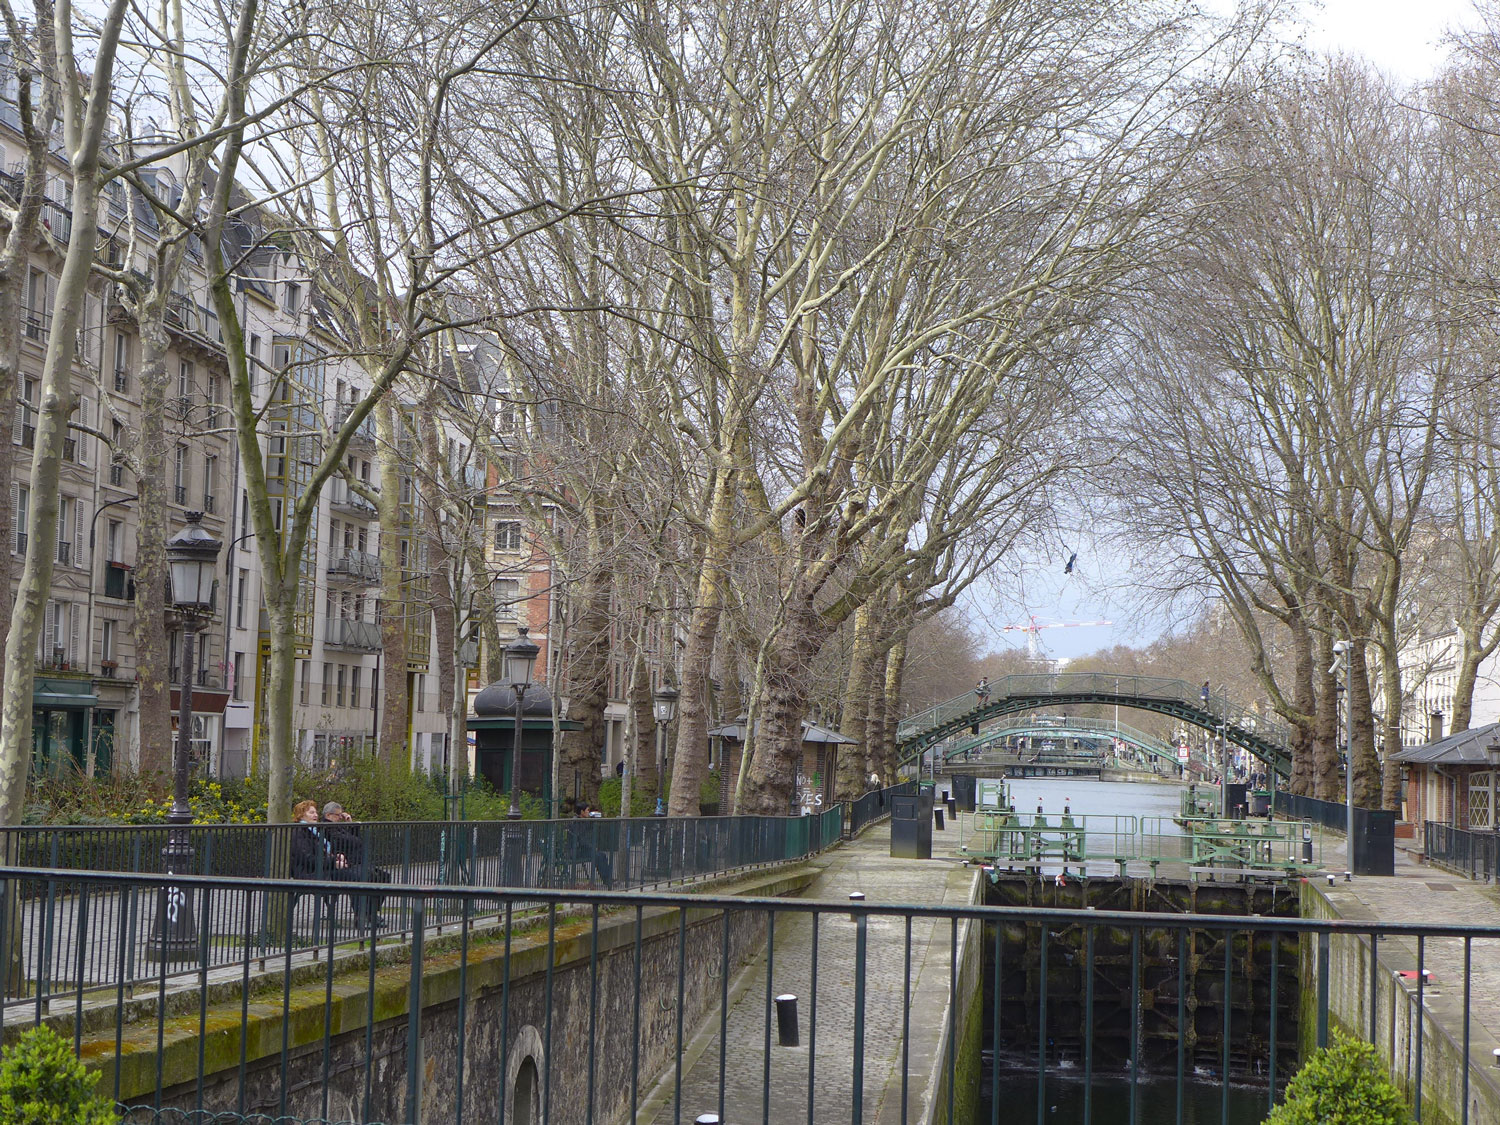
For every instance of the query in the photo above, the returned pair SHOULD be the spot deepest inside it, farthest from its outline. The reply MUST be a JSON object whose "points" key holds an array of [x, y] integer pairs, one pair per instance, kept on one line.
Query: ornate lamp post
{"points": [[520, 659], [666, 710], [193, 561], [1341, 668]]}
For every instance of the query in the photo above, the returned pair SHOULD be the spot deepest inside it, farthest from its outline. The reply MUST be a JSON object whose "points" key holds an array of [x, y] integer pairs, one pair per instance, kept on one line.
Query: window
{"points": [[107, 643], [117, 465], [241, 585], [215, 396], [26, 415], [239, 675], [244, 513], [507, 592], [114, 535], [293, 297], [184, 380], [122, 362], [354, 675], [36, 305], [507, 535], [179, 475], [328, 684], [420, 692], [338, 696], [210, 481], [252, 362], [65, 511]]}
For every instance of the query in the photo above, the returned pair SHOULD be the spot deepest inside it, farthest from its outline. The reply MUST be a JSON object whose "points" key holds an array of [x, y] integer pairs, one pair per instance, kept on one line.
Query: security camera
{"points": [[1340, 647]]}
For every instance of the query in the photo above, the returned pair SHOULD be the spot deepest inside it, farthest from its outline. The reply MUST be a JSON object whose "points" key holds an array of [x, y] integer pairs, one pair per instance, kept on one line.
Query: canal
{"points": [[1012, 1091]]}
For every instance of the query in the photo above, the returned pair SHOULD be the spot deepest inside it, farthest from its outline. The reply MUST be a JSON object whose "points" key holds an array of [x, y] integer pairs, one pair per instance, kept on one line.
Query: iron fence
{"points": [[866, 810], [609, 853], [1460, 850], [1326, 814], [560, 1005]]}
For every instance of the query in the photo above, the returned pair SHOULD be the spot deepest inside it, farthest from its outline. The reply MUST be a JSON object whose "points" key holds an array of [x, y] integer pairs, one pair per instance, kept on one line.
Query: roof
{"points": [[1465, 748], [811, 732]]}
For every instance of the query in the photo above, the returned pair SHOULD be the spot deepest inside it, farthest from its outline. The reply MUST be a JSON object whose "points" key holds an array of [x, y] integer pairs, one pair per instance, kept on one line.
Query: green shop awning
{"points": [[58, 693]]}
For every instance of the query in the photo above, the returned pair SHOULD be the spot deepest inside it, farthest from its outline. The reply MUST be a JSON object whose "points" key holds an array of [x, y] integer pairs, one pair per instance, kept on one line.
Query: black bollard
{"points": [[786, 1020], [937, 819]]}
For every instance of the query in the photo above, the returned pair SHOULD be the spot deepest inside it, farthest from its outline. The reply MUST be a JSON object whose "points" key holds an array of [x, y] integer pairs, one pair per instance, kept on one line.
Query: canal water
{"points": [[1205, 1100]]}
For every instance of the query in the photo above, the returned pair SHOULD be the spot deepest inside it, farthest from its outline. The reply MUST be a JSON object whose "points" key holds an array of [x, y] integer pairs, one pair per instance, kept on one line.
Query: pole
{"points": [[661, 767], [176, 936], [515, 758]]}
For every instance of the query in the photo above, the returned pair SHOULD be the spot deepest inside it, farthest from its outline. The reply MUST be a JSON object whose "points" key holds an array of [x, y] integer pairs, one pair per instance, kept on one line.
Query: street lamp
{"points": [[666, 710], [193, 562], [520, 659]]}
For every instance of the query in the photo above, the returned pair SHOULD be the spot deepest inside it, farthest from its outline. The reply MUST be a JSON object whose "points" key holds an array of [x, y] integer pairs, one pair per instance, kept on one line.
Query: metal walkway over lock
{"points": [[1264, 738]]}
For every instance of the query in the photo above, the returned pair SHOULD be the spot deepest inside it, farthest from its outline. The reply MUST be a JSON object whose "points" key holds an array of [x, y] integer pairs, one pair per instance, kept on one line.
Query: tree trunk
{"points": [[440, 562], [1367, 775], [588, 670], [859, 701], [890, 710], [151, 542], [56, 405], [394, 725], [691, 758]]}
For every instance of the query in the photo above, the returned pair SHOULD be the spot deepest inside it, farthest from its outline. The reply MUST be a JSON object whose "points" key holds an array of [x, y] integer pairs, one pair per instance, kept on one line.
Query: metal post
{"points": [[1348, 770], [514, 812], [176, 934]]}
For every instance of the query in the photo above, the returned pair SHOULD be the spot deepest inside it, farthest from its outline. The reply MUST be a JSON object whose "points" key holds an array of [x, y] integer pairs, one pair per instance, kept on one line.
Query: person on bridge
{"points": [[1205, 695], [983, 691]]}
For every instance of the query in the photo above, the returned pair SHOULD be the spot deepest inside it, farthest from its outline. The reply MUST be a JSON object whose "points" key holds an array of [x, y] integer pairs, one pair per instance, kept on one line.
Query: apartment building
{"points": [[86, 702]]}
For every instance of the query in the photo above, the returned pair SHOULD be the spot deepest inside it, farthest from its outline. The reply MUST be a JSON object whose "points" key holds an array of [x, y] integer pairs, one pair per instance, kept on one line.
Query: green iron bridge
{"points": [[1064, 727], [1265, 739]]}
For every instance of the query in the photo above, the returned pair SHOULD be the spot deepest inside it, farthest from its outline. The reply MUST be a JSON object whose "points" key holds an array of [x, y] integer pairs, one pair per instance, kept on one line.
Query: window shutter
{"points": [[49, 634], [79, 544], [75, 622], [16, 529], [85, 416], [62, 531]]}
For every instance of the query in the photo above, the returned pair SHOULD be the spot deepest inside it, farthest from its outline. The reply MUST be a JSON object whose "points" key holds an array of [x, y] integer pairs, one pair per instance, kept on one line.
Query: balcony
{"points": [[117, 581], [346, 499], [208, 505], [362, 636], [122, 380], [38, 325], [64, 553], [364, 435], [21, 540], [70, 450], [28, 435], [359, 567], [179, 493]]}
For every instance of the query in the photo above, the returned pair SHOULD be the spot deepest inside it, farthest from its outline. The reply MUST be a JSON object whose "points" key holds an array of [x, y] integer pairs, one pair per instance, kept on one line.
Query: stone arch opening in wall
{"points": [[524, 1103]]}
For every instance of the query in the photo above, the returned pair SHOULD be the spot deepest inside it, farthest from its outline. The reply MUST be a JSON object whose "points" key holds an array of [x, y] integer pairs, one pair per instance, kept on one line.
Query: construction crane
{"points": [[1033, 632]]}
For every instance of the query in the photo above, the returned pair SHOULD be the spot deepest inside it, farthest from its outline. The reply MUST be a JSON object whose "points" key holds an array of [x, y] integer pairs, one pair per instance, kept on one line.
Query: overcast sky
{"points": [[1401, 37]]}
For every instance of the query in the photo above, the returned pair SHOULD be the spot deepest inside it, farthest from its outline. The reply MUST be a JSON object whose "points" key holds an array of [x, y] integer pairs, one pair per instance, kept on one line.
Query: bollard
{"points": [[937, 819], [856, 896], [786, 1020], [706, 1119], [1307, 843], [952, 807], [1496, 1053]]}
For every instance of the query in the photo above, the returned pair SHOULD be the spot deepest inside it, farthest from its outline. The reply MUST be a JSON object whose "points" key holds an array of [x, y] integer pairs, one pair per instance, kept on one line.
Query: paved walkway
{"points": [[863, 865], [1423, 894]]}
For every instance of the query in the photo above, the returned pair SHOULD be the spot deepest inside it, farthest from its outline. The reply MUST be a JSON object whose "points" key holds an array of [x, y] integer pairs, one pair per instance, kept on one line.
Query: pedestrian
{"points": [[983, 691], [1204, 694], [349, 843]]}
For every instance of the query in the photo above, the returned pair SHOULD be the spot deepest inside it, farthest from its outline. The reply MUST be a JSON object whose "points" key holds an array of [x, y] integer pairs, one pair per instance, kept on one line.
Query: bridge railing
{"points": [[1218, 707], [874, 805], [448, 1048]]}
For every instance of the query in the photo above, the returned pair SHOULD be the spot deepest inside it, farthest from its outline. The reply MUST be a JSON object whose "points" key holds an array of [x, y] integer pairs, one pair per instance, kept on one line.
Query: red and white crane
{"points": [[1033, 632]]}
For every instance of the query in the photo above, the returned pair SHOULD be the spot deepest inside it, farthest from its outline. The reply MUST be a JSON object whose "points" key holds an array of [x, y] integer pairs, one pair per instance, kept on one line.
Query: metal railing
{"points": [[1326, 814], [1100, 687], [874, 805], [598, 994], [1460, 850]]}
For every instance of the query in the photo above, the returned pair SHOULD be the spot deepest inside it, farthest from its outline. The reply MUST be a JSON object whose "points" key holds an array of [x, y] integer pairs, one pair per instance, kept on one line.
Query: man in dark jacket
{"points": [[349, 845]]}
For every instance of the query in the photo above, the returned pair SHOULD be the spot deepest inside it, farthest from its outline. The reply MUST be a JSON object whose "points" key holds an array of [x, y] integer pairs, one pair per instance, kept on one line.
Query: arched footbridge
{"points": [[1264, 738], [1062, 727]]}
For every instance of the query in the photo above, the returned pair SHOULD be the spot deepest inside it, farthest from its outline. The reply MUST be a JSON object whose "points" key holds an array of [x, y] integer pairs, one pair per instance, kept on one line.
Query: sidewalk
{"points": [[863, 865], [1422, 894]]}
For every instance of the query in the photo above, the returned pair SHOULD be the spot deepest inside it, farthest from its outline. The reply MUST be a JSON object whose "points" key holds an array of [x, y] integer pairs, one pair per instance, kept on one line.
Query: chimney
{"points": [[1434, 726]]}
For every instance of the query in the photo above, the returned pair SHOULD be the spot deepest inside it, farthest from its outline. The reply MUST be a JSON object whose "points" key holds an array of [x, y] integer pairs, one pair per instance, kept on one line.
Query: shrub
{"points": [[42, 1083], [1342, 1083]]}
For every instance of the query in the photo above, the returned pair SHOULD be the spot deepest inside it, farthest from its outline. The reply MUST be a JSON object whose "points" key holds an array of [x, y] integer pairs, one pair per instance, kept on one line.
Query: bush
{"points": [[42, 1083], [1342, 1083]]}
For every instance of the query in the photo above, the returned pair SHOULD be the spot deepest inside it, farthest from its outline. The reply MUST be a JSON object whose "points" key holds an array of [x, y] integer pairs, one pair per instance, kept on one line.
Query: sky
{"points": [[1402, 38]]}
